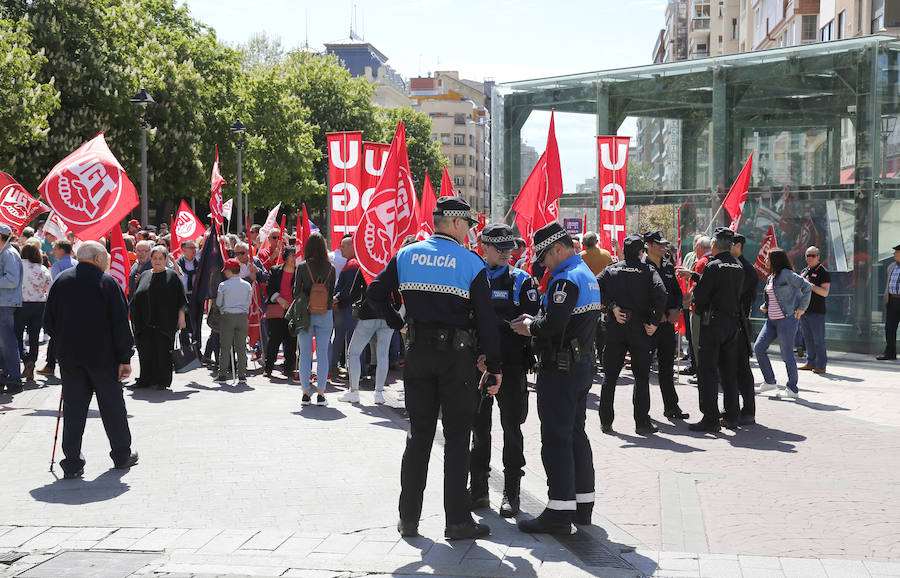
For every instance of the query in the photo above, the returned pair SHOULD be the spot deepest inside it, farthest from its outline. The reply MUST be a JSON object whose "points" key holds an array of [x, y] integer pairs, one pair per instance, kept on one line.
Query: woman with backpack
{"points": [[314, 288]]}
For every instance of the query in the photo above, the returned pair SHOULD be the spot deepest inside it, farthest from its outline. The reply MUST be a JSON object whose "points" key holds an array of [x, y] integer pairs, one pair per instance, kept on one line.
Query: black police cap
{"points": [[499, 235], [724, 233], [545, 237], [655, 237], [633, 245], [454, 207], [740, 239], [897, 248]]}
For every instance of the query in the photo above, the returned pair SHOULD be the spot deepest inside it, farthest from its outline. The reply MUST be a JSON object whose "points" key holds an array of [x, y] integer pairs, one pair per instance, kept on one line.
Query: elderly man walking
{"points": [[87, 315]]}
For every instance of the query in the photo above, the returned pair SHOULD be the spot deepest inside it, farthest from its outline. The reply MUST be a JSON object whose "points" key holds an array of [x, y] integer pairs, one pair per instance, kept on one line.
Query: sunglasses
{"points": [[812, 255], [274, 237], [240, 252]]}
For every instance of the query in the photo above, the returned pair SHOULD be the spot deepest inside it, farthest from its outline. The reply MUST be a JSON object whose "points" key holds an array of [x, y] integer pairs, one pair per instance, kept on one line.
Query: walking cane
{"points": [[56, 434]]}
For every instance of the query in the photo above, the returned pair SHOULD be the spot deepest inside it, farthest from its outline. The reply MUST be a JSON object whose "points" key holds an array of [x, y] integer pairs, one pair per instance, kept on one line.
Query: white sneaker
{"points": [[379, 398], [787, 393], [764, 387], [320, 400], [401, 396], [352, 396]]}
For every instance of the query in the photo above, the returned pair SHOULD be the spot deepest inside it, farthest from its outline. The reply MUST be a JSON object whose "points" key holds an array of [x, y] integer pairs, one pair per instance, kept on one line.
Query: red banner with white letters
{"points": [[17, 207], [613, 173], [345, 182], [119, 266]]}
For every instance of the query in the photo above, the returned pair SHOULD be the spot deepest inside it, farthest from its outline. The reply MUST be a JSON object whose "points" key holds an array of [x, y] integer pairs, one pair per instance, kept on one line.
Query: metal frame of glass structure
{"points": [[820, 119]]}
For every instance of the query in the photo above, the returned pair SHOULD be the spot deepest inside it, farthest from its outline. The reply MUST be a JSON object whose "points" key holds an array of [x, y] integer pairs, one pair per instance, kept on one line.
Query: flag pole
{"points": [[711, 223]]}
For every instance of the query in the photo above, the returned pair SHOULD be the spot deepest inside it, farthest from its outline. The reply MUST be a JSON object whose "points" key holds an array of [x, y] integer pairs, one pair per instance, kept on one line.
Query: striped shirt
{"points": [[894, 285], [775, 313]]}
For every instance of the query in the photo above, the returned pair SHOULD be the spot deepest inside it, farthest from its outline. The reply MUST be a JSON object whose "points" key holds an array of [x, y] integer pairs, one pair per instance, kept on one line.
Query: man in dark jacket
{"points": [[87, 315], [745, 342]]}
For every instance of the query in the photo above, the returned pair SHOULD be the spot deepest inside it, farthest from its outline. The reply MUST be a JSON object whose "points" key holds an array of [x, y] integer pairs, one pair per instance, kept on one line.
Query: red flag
{"points": [[737, 195], [89, 190], [390, 216], [305, 230], [186, 226], [119, 265], [447, 185], [527, 233], [768, 244], [426, 210], [215, 198], [613, 175], [538, 201], [254, 315], [56, 226], [345, 179], [17, 207], [472, 235], [584, 224]]}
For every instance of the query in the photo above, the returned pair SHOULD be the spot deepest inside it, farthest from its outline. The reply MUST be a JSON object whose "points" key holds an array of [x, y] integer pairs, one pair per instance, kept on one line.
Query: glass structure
{"points": [[820, 120]]}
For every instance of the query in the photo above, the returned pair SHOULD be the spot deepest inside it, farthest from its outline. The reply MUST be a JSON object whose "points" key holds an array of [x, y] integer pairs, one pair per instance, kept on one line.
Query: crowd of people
{"points": [[467, 323]]}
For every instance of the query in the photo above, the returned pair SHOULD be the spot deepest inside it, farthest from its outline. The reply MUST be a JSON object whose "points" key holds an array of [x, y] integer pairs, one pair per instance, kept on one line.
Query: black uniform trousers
{"points": [[631, 337], [891, 321], [155, 356], [565, 448], [513, 402], [600, 342], [278, 336], [79, 384], [663, 340], [745, 383], [438, 381], [717, 358]]}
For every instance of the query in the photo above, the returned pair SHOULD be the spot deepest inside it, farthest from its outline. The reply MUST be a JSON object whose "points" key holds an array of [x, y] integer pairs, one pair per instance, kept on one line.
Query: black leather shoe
{"points": [[131, 461], [705, 426], [408, 529], [727, 424], [607, 428], [885, 357], [676, 413], [539, 526], [689, 371], [645, 430], [509, 508], [747, 420], [583, 513], [73, 475], [466, 531], [481, 502]]}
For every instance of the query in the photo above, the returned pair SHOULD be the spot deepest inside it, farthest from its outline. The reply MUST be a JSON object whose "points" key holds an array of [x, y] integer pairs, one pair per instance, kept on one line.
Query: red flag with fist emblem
{"points": [[391, 214], [186, 227], [17, 207], [89, 190]]}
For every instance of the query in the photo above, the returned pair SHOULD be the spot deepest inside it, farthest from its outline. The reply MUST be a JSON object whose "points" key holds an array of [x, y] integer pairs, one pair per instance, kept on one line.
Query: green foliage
{"points": [[424, 154], [640, 178]]}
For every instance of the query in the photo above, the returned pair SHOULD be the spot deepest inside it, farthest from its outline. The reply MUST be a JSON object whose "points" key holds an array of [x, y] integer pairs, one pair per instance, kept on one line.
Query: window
{"points": [[840, 24], [459, 181], [827, 32], [445, 138], [472, 181], [471, 140], [809, 25], [734, 29], [459, 139], [859, 14], [459, 160], [459, 119], [471, 161]]}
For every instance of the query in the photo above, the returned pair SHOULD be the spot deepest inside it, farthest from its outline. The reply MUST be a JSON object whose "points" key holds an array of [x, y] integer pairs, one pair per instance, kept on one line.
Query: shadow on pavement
{"points": [[106, 486], [833, 377], [819, 406], [320, 413], [658, 442], [159, 395], [375, 411], [92, 413], [646, 566], [226, 387], [763, 438], [439, 557]]}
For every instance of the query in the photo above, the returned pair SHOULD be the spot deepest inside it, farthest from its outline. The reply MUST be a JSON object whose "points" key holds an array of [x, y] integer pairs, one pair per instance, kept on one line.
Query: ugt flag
{"points": [[17, 207], [768, 245], [119, 266], [186, 227], [737, 195], [89, 191], [426, 211], [613, 176]]}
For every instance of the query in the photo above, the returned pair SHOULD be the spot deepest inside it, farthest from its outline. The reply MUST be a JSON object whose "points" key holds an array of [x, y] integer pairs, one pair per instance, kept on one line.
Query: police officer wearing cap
{"points": [[637, 297], [564, 333], [663, 340], [513, 292], [745, 341], [447, 298], [717, 303]]}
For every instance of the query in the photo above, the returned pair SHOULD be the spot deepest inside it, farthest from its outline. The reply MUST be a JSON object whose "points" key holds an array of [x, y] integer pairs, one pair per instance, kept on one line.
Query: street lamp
{"points": [[141, 100], [239, 129]]}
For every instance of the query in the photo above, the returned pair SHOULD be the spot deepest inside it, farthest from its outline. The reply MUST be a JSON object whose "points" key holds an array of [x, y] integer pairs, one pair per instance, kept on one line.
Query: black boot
{"points": [[510, 505], [479, 491], [583, 512], [546, 524]]}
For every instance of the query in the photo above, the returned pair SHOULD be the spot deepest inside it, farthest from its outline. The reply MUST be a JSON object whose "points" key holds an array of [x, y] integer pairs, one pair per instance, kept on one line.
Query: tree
{"points": [[640, 178], [25, 103], [424, 154]]}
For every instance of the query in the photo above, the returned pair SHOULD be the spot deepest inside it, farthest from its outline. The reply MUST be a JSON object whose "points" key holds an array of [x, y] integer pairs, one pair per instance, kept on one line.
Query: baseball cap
{"points": [[5, 229], [135, 222], [232, 264]]}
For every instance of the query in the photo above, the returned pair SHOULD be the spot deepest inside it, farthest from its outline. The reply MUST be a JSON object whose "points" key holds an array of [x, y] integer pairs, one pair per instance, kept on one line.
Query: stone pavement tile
{"points": [[227, 542], [414, 547], [93, 533], [18, 536], [802, 568], [339, 543], [762, 562], [524, 559], [195, 538], [267, 540], [122, 539], [883, 568], [295, 547], [761, 573], [444, 553], [223, 570], [73, 544], [845, 568], [645, 561], [719, 568], [49, 539], [487, 550], [679, 561], [159, 539], [5, 529], [369, 550], [677, 573], [304, 573]]}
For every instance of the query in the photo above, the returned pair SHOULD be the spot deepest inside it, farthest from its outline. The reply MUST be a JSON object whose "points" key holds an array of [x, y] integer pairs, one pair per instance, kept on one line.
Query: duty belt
{"points": [[442, 338]]}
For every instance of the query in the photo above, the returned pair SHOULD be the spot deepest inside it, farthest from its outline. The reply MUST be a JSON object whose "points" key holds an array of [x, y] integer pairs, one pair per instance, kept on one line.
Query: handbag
{"points": [[184, 357]]}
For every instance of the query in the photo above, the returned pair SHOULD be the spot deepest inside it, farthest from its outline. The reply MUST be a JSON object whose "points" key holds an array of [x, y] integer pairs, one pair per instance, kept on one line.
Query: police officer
{"points": [[446, 294], [717, 304], [513, 292], [564, 332], [663, 340], [637, 297], [745, 340]]}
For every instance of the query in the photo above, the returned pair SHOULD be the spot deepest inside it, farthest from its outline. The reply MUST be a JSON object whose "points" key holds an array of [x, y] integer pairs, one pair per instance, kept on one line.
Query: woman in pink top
{"points": [[35, 286]]}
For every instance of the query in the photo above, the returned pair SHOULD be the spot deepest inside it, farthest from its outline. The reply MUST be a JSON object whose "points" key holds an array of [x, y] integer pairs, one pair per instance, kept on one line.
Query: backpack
{"points": [[318, 293]]}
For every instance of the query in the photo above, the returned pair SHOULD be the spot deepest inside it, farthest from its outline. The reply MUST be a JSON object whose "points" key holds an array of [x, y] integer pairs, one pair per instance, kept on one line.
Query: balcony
{"points": [[700, 23]]}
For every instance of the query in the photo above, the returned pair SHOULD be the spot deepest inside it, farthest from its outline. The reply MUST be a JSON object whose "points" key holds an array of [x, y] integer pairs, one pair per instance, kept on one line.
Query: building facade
{"points": [[362, 59]]}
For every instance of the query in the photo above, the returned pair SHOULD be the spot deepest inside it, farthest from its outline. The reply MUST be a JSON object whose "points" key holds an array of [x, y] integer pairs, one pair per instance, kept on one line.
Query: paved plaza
{"points": [[242, 480]]}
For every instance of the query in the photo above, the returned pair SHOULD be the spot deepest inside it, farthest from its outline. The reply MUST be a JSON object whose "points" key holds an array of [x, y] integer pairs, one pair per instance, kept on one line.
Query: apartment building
{"points": [[362, 59]]}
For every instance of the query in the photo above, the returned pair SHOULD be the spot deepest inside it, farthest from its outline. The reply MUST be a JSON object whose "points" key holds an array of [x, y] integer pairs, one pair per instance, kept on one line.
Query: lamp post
{"points": [[141, 100], [239, 129]]}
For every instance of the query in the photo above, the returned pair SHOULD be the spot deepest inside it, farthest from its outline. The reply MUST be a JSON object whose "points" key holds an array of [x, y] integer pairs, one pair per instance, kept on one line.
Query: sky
{"points": [[505, 40]]}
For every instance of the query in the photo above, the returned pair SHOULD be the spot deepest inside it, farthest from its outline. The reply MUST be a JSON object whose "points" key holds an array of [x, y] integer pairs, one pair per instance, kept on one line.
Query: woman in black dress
{"points": [[157, 312]]}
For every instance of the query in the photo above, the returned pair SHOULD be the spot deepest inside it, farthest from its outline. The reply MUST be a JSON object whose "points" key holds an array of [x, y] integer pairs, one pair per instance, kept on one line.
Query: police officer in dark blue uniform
{"points": [[717, 303], [636, 296], [513, 292], [745, 342], [564, 333], [446, 294], [663, 340]]}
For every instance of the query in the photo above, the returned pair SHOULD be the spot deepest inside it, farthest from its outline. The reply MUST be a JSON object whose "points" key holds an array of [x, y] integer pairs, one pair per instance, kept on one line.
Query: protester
{"points": [[891, 308], [593, 256], [233, 299], [35, 286], [62, 250], [252, 270], [787, 297], [86, 314], [189, 265], [280, 291], [343, 321], [133, 227], [142, 250], [812, 324], [315, 271], [157, 311], [270, 249], [10, 301]]}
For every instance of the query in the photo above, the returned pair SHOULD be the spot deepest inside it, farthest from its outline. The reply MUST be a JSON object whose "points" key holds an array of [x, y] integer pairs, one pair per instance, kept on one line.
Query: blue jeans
{"points": [[784, 331], [30, 315], [10, 371], [365, 329], [812, 326], [320, 327]]}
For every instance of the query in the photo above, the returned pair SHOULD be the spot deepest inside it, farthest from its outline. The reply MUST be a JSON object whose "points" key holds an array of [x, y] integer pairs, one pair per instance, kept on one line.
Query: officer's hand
{"points": [[480, 363], [124, 371], [620, 315], [682, 272], [650, 329], [763, 308], [798, 313], [492, 389], [181, 322], [522, 324]]}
